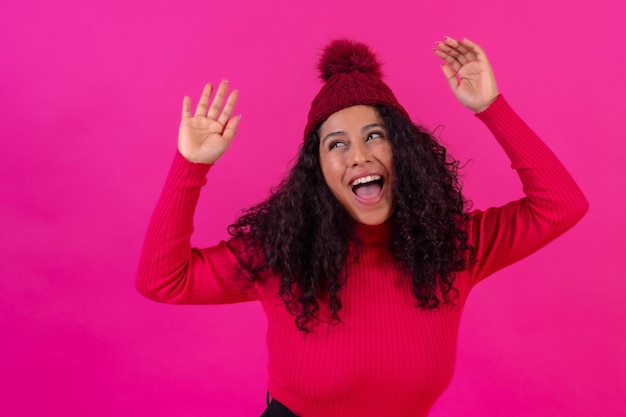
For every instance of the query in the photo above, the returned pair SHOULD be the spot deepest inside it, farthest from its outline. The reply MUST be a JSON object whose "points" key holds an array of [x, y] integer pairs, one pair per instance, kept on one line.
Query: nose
{"points": [[359, 153]]}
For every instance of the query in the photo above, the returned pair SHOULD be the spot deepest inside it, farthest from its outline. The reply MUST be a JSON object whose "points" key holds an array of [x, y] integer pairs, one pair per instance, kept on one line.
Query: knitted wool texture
{"points": [[352, 76]]}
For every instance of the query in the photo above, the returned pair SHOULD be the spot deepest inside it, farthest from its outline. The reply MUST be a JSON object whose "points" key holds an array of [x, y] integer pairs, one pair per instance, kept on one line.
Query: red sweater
{"points": [[387, 357]]}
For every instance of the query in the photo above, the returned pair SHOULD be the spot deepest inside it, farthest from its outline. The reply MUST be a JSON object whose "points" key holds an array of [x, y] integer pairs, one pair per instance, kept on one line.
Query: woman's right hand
{"points": [[205, 136]]}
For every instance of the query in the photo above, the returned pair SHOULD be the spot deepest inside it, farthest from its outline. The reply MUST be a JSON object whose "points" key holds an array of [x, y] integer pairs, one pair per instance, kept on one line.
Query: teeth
{"points": [[364, 180]]}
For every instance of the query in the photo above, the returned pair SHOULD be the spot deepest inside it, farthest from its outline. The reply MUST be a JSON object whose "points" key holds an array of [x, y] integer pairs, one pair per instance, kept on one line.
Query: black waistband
{"points": [[276, 409]]}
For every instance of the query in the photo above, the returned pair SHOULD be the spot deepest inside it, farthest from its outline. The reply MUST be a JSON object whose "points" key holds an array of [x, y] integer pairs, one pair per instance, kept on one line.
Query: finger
{"points": [[452, 55], [448, 47], [228, 107], [451, 76], [476, 50], [448, 59], [467, 53], [450, 42], [186, 107], [204, 100], [457, 50], [231, 128], [216, 104]]}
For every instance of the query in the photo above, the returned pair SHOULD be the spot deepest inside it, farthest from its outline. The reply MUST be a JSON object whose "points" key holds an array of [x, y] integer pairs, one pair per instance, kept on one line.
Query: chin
{"points": [[373, 220]]}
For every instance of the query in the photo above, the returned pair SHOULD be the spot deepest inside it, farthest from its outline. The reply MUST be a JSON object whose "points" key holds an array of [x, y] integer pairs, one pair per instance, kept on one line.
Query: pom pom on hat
{"points": [[345, 56], [352, 76]]}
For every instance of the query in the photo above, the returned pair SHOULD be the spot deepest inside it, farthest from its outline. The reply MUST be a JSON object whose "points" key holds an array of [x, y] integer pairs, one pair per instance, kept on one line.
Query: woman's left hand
{"points": [[469, 73]]}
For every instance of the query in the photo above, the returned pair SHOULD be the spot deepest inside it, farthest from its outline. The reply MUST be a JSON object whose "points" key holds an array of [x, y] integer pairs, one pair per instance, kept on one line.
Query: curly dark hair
{"points": [[304, 232]]}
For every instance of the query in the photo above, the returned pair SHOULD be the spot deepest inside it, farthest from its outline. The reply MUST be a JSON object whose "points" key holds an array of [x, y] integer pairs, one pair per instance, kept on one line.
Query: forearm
{"points": [[552, 204], [166, 254], [550, 189]]}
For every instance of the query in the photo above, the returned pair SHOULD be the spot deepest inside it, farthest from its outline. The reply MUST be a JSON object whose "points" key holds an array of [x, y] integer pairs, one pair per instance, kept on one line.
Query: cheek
{"points": [[388, 159], [384, 156], [332, 170], [326, 174], [388, 151]]}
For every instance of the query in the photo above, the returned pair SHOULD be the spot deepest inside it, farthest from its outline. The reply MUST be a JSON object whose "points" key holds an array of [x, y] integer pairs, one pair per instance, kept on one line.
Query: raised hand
{"points": [[205, 136], [469, 73]]}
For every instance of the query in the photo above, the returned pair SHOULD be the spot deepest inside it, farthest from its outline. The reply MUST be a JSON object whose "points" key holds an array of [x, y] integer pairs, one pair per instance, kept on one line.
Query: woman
{"points": [[364, 256]]}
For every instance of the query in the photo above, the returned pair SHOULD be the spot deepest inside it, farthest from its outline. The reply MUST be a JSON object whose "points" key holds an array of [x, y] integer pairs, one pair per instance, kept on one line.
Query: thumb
{"points": [[450, 74]]}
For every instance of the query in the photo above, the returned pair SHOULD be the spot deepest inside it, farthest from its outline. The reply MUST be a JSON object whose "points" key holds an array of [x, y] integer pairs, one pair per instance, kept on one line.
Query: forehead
{"points": [[350, 118]]}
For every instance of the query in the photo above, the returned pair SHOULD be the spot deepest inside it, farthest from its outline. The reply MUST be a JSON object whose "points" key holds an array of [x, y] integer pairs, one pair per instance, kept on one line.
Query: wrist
{"points": [[486, 105]]}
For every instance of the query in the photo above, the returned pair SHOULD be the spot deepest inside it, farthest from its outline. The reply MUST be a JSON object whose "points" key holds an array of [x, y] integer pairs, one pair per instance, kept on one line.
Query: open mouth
{"points": [[368, 187]]}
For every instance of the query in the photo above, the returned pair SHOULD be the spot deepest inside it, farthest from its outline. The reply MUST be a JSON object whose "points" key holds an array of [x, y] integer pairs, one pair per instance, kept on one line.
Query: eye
{"points": [[335, 144], [374, 135]]}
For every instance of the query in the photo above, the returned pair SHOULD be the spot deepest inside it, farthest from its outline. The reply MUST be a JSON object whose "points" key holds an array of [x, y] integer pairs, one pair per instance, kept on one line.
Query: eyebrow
{"points": [[341, 132]]}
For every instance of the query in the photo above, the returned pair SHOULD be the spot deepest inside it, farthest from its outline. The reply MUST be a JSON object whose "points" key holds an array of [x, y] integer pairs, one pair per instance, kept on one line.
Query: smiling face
{"points": [[356, 160]]}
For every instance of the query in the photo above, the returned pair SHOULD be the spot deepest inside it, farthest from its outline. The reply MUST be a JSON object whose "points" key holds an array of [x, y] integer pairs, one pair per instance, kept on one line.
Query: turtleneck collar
{"points": [[377, 235]]}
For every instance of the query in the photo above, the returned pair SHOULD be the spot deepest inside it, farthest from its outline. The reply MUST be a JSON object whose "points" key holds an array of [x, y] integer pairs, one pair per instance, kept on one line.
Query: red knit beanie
{"points": [[352, 76]]}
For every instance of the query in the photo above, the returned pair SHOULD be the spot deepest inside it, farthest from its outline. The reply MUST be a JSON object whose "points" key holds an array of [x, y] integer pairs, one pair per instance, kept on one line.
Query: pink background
{"points": [[91, 94]]}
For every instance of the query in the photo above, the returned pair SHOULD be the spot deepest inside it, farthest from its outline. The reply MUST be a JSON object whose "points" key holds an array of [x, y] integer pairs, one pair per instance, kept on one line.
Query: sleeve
{"points": [[553, 202], [170, 270]]}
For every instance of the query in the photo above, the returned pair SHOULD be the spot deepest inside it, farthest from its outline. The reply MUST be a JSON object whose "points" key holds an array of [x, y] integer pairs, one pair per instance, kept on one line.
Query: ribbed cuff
{"points": [[184, 170]]}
